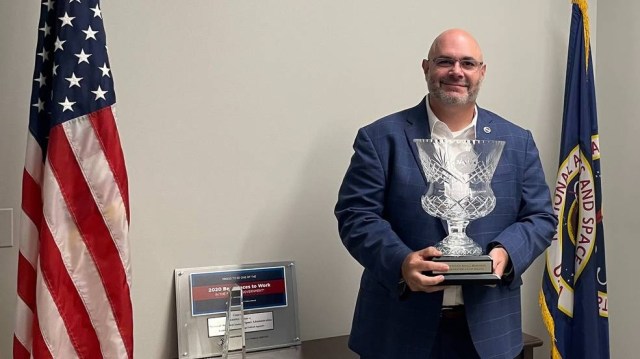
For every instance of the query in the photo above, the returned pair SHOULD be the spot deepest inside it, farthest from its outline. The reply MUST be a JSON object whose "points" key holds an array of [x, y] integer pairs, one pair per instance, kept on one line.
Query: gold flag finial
{"points": [[584, 9]]}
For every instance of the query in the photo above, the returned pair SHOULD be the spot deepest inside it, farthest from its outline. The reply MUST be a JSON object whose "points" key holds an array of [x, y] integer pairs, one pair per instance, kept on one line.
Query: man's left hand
{"points": [[500, 260]]}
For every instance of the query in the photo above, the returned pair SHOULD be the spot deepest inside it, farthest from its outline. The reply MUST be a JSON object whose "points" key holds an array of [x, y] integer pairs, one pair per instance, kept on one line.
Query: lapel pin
{"points": [[487, 130]]}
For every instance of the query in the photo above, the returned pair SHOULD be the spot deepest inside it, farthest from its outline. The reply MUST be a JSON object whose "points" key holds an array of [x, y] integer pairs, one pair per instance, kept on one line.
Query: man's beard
{"points": [[439, 93]]}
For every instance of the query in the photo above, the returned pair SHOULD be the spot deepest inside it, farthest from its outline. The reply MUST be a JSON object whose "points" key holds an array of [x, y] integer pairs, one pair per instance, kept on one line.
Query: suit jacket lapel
{"points": [[418, 127], [484, 131]]}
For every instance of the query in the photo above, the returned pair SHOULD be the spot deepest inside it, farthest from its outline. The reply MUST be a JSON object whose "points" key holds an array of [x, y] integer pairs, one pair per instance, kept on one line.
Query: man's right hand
{"points": [[418, 262]]}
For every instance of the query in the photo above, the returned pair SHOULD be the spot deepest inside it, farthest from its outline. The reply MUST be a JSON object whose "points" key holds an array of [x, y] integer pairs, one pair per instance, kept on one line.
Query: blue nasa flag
{"points": [[573, 297]]}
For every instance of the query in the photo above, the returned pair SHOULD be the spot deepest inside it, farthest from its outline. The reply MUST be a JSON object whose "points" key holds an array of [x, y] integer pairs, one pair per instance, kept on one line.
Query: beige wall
{"points": [[237, 119], [616, 79]]}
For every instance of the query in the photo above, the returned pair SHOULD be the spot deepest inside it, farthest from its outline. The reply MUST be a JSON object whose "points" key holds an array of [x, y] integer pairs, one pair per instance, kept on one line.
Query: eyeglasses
{"points": [[465, 64]]}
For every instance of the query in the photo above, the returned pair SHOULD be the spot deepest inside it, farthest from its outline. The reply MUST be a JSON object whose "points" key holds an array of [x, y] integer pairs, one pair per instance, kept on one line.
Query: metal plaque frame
{"points": [[270, 307]]}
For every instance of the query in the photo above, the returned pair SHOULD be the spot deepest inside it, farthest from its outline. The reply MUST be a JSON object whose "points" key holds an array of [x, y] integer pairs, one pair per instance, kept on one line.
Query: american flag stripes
{"points": [[74, 271]]}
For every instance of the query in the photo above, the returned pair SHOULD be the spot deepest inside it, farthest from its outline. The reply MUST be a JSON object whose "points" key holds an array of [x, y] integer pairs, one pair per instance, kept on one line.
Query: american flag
{"points": [[74, 271]]}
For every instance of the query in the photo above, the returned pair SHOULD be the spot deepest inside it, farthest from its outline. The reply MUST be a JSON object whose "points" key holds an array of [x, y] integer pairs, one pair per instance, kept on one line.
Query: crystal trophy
{"points": [[233, 342], [459, 173]]}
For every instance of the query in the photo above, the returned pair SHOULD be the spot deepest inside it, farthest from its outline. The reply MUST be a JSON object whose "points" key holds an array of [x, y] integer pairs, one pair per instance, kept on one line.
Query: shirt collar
{"points": [[440, 129]]}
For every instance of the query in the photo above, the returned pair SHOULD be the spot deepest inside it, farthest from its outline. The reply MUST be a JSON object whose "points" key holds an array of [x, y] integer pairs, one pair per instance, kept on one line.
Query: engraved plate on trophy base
{"points": [[466, 264], [467, 270]]}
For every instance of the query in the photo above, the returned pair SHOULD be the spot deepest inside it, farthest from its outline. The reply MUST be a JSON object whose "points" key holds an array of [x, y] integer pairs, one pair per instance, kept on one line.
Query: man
{"points": [[402, 312]]}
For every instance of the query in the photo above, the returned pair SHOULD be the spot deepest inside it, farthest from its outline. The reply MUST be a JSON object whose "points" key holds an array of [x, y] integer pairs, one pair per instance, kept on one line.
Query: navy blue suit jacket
{"points": [[381, 221]]}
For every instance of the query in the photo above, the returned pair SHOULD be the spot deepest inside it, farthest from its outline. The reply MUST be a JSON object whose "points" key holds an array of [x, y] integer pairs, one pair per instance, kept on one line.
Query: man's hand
{"points": [[500, 260], [418, 262]]}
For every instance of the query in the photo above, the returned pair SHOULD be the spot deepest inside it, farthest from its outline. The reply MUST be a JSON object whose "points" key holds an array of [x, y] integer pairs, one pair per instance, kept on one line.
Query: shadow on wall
{"points": [[172, 328]]}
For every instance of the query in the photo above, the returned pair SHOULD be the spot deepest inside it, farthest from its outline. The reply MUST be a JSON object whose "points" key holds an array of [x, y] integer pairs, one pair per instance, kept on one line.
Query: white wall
{"points": [[237, 119]]}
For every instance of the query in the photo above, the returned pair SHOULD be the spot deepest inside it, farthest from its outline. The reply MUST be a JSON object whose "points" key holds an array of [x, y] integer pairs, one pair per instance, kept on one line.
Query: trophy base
{"points": [[467, 270], [474, 279]]}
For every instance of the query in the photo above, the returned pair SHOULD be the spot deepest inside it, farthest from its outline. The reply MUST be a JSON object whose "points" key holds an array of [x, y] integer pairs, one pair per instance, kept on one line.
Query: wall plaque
{"points": [[269, 314]]}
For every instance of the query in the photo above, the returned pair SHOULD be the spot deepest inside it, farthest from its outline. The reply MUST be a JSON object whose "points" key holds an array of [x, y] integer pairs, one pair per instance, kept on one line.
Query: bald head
{"points": [[455, 40], [454, 70]]}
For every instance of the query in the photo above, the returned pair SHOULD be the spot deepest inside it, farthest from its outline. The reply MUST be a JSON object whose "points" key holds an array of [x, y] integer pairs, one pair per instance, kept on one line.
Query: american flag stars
{"points": [[105, 70], [96, 11], [47, 29], [73, 80], [66, 20], [74, 75], [48, 4], [58, 44], [99, 93], [82, 57], [67, 105], [41, 80], [90, 33]]}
